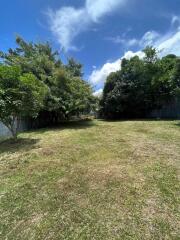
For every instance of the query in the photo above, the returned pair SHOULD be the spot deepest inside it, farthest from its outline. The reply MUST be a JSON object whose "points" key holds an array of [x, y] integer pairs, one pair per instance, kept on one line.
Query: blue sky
{"points": [[98, 33]]}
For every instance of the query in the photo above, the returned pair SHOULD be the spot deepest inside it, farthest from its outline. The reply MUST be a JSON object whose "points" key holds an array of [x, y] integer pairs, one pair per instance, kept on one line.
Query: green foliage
{"points": [[38, 59], [141, 85], [20, 95], [38, 88], [73, 95], [74, 68], [59, 87], [150, 55]]}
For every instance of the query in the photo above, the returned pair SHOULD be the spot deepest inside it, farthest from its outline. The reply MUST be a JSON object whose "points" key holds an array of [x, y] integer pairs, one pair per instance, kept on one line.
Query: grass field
{"points": [[92, 180]]}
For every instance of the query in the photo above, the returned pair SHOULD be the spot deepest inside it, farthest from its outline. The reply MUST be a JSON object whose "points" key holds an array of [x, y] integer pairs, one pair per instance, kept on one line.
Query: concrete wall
{"points": [[4, 131]]}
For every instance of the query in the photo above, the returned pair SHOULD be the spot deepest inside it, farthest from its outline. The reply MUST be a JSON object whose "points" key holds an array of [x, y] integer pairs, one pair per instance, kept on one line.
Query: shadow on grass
{"points": [[75, 125], [21, 144], [139, 120], [177, 124], [26, 144]]}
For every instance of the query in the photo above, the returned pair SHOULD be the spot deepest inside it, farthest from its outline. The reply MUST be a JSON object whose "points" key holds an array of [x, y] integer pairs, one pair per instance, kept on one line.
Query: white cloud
{"points": [[98, 8], [149, 38], [175, 19], [117, 39], [98, 76], [132, 42], [129, 54], [65, 24], [98, 93], [122, 40], [68, 22], [165, 44], [168, 44]]}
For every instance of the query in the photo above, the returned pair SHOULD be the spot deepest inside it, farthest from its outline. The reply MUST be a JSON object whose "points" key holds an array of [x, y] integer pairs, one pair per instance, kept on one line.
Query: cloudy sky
{"points": [[96, 32]]}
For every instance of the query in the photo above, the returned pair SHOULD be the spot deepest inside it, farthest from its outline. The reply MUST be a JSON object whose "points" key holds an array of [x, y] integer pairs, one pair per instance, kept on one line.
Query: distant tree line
{"points": [[141, 86], [34, 82]]}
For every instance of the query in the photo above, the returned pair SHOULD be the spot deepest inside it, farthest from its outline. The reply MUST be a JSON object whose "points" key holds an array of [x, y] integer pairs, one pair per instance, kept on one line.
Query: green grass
{"points": [[92, 180]]}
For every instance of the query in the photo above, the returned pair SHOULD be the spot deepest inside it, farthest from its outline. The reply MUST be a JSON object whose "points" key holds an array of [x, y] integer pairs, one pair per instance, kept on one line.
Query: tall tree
{"points": [[141, 85], [66, 88]]}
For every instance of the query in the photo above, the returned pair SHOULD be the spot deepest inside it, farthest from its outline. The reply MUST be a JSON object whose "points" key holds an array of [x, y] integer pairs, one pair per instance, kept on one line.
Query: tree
{"points": [[141, 85], [73, 95], [125, 92], [74, 68], [150, 55], [36, 58], [20, 95], [67, 93], [175, 80]]}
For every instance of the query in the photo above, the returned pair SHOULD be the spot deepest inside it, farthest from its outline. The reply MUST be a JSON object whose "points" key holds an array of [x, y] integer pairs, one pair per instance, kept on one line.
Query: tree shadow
{"points": [[75, 125], [138, 120], [21, 144], [177, 124]]}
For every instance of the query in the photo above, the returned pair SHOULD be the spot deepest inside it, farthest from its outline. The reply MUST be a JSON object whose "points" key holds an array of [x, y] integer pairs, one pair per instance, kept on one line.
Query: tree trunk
{"points": [[15, 127], [14, 134]]}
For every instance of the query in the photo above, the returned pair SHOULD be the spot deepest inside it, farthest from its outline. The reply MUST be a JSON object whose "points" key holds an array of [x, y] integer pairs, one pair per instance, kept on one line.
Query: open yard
{"points": [[92, 180]]}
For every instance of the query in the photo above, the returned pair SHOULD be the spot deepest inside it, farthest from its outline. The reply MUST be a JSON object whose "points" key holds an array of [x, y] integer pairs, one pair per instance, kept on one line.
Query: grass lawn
{"points": [[92, 180]]}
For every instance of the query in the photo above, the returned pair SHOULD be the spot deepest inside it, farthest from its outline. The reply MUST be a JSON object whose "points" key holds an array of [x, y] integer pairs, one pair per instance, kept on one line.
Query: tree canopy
{"points": [[33, 65], [20, 95], [141, 85]]}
